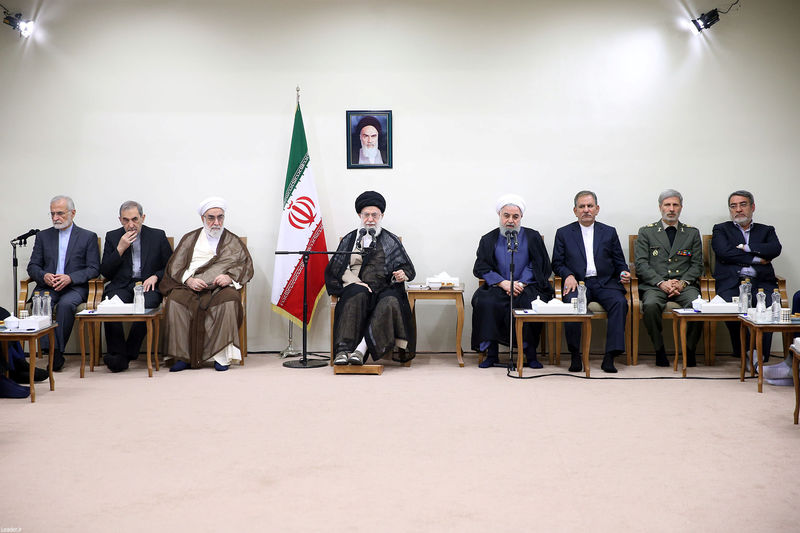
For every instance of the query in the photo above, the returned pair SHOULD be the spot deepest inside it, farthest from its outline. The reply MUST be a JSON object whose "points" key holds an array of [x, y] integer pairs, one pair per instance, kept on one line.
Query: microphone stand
{"points": [[14, 267], [512, 247], [304, 362]]}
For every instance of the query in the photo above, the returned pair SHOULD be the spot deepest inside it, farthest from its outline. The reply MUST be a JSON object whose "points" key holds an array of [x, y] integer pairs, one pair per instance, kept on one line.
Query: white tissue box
{"points": [[32, 323], [554, 307], [732, 308], [114, 309]]}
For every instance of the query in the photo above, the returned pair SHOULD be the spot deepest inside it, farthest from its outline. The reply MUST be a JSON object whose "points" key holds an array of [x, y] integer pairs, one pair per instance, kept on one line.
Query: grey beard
{"points": [[504, 229], [214, 233], [369, 152]]}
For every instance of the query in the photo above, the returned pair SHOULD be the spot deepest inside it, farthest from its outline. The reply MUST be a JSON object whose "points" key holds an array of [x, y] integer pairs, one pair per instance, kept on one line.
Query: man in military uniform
{"points": [[669, 263]]}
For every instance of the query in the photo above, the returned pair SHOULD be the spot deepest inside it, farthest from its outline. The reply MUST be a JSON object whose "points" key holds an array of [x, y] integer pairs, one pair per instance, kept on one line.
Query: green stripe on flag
{"points": [[298, 157]]}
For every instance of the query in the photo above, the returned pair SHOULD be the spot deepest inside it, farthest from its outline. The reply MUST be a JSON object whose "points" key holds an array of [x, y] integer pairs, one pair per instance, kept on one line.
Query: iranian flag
{"points": [[301, 229]]}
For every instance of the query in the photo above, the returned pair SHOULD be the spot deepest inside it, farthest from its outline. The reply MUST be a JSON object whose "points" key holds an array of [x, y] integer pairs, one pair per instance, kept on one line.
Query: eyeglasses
{"points": [[376, 215], [212, 218], [57, 213], [743, 205]]}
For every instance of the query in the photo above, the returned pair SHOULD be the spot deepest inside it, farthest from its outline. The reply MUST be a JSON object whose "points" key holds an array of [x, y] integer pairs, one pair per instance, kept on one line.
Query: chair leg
{"points": [[635, 339], [558, 345]]}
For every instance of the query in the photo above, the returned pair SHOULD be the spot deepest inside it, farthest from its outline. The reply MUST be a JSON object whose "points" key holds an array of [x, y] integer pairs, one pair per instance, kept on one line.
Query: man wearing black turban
{"points": [[366, 148], [372, 315]]}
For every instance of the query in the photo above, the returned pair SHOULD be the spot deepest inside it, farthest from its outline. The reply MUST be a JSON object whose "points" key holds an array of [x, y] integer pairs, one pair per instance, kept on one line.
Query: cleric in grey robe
{"points": [[373, 316], [491, 303]]}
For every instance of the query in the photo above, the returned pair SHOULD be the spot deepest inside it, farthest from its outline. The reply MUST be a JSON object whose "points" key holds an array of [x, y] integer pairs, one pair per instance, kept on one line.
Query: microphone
{"points": [[25, 236], [372, 243], [514, 239], [361, 234], [509, 237]]}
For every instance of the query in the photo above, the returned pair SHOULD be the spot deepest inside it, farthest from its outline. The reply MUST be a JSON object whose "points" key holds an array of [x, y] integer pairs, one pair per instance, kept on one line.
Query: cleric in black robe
{"points": [[491, 302], [372, 316]]}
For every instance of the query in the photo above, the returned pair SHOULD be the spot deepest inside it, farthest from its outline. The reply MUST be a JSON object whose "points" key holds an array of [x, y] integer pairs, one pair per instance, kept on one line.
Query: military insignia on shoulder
{"points": [[650, 225], [684, 253], [688, 226]]}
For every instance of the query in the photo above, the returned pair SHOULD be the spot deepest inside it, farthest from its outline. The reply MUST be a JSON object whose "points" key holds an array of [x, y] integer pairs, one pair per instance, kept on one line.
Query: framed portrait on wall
{"points": [[369, 139]]}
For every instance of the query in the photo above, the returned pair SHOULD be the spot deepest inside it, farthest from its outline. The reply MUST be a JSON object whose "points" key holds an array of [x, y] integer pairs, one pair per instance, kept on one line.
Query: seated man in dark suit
{"points": [[744, 249], [64, 259], [132, 253], [491, 302], [589, 251]]}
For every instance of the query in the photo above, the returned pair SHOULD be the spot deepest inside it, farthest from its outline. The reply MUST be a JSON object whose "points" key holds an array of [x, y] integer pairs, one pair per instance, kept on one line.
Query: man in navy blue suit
{"points": [[744, 249], [132, 253], [64, 259], [590, 251]]}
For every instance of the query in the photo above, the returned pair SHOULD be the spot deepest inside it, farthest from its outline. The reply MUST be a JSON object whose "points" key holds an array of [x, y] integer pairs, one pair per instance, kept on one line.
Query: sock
{"points": [[362, 346]]}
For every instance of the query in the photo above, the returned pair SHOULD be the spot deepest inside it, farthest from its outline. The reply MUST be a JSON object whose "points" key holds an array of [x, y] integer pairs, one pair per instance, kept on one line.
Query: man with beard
{"points": [[369, 132], [491, 302], [373, 316], [201, 282], [589, 251], [133, 253], [64, 259], [745, 249], [669, 263]]}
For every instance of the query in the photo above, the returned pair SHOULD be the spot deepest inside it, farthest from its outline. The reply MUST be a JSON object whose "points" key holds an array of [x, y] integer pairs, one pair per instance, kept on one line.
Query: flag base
{"points": [[307, 363]]}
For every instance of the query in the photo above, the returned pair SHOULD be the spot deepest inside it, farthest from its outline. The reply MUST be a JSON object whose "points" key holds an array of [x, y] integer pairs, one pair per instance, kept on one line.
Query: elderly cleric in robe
{"points": [[201, 281], [491, 302], [373, 316]]}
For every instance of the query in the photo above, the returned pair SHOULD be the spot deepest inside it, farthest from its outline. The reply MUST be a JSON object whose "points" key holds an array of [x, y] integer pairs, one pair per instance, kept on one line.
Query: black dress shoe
{"points": [[116, 362], [608, 364], [577, 363], [23, 377], [661, 358], [58, 361]]}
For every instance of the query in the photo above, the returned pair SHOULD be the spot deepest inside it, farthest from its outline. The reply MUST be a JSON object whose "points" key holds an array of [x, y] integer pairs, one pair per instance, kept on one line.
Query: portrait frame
{"points": [[353, 148]]}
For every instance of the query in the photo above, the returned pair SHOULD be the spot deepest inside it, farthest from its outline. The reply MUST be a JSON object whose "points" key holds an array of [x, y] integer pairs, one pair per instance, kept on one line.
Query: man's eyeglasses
{"points": [[375, 215]]}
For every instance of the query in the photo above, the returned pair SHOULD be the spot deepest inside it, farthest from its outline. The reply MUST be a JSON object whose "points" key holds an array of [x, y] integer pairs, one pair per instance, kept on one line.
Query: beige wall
{"points": [[168, 102]]}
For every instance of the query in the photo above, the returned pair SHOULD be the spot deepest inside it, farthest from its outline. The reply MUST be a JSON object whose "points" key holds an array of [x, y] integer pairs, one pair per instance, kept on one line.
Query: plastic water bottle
{"points": [[47, 305], [36, 307], [761, 306], [744, 296], [581, 298], [776, 306], [138, 298]]}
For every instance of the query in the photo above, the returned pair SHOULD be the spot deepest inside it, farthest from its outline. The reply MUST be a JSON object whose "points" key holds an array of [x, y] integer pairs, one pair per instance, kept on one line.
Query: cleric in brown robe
{"points": [[373, 316], [201, 282]]}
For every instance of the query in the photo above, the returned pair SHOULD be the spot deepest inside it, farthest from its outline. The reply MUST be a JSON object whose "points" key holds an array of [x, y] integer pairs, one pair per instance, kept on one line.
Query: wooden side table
{"points": [[757, 331], [34, 349], [151, 318], [528, 315], [457, 295], [681, 319]]}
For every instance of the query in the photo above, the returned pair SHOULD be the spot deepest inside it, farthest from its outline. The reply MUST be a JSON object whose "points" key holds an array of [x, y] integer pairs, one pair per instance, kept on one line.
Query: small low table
{"points": [[529, 315], [151, 318], [681, 319], [757, 330], [34, 349], [456, 294]]}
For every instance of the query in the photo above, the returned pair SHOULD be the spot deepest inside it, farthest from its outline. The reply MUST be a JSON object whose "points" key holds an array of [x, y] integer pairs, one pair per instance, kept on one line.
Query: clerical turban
{"points": [[368, 198], [368, 121], [210, 203], [510, 199]]}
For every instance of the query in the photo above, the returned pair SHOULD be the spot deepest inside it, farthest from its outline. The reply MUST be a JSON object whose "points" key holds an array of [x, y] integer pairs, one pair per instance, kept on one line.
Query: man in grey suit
{"points": [[669, 263], [64, 259]]}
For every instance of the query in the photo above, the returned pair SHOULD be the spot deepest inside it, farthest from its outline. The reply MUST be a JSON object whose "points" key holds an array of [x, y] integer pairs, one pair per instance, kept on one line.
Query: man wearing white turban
{"points": [[204, 310], [491, 302]]}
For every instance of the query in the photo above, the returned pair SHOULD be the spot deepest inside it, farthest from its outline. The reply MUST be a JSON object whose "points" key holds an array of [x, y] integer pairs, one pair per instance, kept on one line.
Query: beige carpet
{"points": [[433, 447]]}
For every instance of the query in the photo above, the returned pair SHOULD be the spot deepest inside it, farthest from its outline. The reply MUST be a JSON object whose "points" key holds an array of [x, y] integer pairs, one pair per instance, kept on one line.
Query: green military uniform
{"points": [[656, 260]]}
